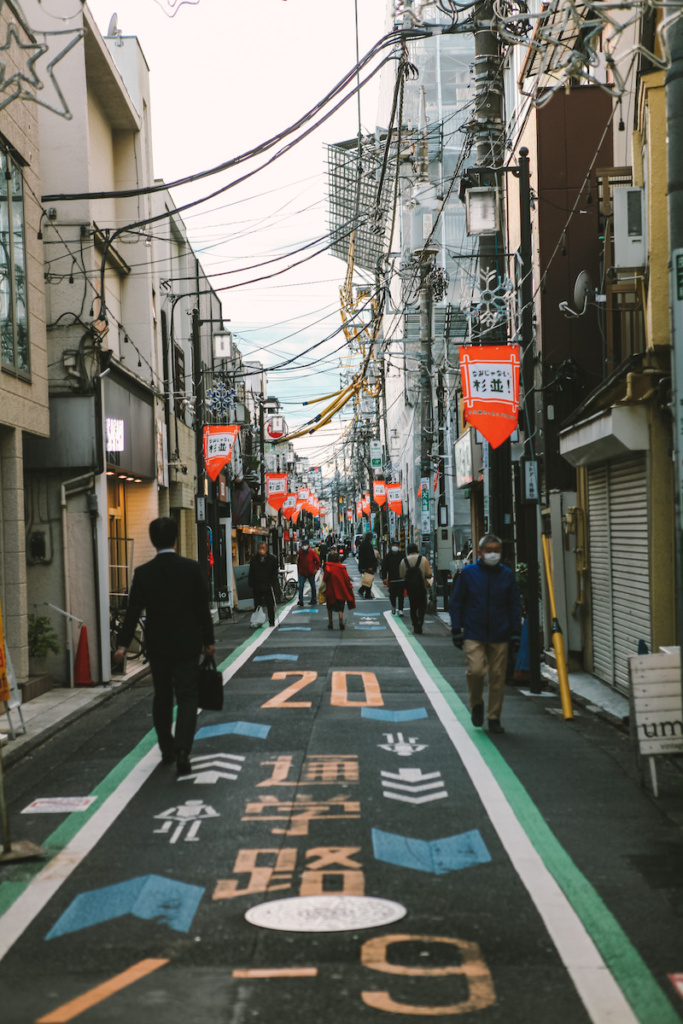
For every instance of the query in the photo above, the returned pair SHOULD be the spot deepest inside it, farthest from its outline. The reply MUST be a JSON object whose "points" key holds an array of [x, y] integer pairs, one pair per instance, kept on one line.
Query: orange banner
{"points": [[219, 441], [365, 504], [490, 389], [379, 492], [395, 498], [288, 506], [276, 489]]}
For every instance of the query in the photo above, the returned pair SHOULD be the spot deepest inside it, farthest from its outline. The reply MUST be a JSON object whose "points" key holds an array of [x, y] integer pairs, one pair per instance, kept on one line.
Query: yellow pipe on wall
{"points": [[558, 642]]}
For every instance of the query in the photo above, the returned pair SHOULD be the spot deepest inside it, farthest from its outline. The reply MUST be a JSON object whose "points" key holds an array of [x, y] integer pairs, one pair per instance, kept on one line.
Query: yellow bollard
{"points": [[558, 642]]}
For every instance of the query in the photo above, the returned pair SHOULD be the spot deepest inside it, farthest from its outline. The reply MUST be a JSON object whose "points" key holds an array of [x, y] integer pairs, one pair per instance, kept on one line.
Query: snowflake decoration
{"points": [[171, 7], [492, 305], [219, 398]]}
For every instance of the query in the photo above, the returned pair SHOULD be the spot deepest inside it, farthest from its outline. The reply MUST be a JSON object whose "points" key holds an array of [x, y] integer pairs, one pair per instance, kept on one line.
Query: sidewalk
{"points": [[48, 714]]}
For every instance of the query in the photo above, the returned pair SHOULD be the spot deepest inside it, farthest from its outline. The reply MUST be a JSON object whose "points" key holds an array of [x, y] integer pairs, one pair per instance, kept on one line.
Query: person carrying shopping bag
{"points": [[264, 582], [367, 565], [338, 589]]}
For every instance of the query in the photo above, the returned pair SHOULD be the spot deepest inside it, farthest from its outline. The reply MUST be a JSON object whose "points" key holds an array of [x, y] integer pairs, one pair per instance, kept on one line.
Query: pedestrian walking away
{"points": [[486, 613], [367, 564], [338, 589], [391, 574], [263, 580], [174, 595], [416, 573], [307, 563]]}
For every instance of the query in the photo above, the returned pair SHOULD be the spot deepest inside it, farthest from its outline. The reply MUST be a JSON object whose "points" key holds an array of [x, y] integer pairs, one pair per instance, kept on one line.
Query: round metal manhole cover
{"points": [[325, 913]]}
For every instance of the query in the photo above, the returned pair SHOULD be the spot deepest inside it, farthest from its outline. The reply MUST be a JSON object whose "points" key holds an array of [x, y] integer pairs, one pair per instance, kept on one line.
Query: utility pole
{"points": [[674, 114], [198, 392], [490, 152], [426, 424]]}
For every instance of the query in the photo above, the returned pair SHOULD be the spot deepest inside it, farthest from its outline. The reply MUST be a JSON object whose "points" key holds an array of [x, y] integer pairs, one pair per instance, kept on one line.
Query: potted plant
{"points": [[42, 639]]}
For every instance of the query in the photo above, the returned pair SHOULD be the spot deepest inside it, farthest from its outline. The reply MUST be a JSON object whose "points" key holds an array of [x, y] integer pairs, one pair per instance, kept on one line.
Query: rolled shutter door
{"points": [[630, 558], [601, 571]]}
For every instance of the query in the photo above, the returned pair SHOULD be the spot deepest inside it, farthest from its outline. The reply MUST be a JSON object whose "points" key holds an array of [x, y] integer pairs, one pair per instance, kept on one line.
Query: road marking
{"points": [[253, 729], [438, 857], [59, 805], [277, 657], [209, 768], [340, 693], [277, 972], [402, 747], [398, 786], [295, 629], [23, 899], [150, 898], [612, 980], [281, 700], [378, 715], [76, 1007]]}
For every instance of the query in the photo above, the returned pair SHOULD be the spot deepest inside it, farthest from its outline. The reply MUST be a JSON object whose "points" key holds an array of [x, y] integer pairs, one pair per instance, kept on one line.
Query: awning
{"points": [[607, 435]]}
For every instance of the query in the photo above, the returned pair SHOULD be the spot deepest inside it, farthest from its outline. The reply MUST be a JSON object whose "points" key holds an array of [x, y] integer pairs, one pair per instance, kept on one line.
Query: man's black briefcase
{"points": [[210, 685]]}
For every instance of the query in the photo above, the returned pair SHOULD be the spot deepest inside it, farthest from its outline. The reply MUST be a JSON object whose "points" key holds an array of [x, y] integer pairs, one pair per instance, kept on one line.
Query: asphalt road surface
{"points": [[348, 848]]}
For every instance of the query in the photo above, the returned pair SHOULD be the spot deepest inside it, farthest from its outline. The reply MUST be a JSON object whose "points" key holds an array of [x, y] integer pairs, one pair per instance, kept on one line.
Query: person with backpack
{"points": [[416, 573], [391, 574], [486, 613]]}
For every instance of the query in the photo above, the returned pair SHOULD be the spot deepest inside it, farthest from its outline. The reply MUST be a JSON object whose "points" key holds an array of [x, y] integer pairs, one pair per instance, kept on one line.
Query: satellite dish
{"points": [[584, 290], [113, 25]]}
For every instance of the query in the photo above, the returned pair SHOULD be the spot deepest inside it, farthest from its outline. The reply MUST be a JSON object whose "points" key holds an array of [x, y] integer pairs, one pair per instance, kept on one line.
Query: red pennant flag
{"points": [[288, 506], [349, 514], [436, 480], [365, 504], [359, 509], [379, 492], [276, 489], [490, 388], [395, 498], [218, 444]]}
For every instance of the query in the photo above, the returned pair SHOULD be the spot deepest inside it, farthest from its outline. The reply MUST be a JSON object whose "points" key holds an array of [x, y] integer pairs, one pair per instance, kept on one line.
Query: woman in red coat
{"points": [[338, 589]]}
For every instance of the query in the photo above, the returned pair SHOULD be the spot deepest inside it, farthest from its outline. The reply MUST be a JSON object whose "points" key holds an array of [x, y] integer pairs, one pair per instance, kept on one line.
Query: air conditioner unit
{"points": [[630, 232]]}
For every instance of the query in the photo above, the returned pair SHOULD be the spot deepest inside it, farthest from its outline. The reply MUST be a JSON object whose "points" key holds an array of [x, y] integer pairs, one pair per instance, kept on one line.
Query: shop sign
{"points": [[395, 498], [276, 489], [219, 441], [115, 434], [379, 492], [490, 385]]}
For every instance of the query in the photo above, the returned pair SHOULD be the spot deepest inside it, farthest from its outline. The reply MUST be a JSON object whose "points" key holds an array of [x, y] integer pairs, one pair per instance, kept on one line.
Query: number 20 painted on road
{"points": [[340, 690]]}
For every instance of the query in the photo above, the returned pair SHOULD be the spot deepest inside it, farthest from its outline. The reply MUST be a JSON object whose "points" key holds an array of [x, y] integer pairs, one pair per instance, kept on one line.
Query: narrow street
{"points": [[520, 878]]}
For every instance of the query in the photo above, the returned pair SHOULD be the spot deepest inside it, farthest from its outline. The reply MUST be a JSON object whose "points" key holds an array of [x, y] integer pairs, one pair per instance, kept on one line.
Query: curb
{"points": [[12, 755]]}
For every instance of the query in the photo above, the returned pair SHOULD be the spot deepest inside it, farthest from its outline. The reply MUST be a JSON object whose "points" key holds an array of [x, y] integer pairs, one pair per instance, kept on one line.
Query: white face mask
{"points": [[492, 558], [394, 547]]}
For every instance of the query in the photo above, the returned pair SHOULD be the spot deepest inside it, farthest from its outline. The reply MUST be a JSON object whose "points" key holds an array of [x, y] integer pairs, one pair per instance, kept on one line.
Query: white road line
{"points": [[43, 887], [603, 999]]}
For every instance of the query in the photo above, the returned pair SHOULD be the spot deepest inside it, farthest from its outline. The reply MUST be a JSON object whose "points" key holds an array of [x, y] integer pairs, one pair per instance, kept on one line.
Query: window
{"points": [[13, 286]]}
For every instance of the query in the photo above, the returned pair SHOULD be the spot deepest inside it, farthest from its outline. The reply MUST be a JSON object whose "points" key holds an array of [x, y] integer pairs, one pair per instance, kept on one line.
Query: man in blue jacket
{"points": [[486, 612]]}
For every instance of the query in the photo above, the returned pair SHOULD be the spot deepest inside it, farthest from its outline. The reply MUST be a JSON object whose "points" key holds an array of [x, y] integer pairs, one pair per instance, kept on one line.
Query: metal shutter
{"points": [[620, 577], [601, 571], [630, 549]]}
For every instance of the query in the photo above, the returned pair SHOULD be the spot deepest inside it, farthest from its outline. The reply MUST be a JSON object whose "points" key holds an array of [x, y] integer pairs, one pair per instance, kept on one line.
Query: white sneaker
{"points": [[400, 612]]}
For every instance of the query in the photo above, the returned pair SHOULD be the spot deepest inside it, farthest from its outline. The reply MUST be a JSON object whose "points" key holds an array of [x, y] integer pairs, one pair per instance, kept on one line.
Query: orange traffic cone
{"points": [[82, 663]]}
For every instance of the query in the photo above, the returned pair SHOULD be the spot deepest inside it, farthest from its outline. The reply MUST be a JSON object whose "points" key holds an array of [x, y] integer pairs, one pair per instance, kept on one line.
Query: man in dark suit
{"points": [[263, 580], [178, 625]]}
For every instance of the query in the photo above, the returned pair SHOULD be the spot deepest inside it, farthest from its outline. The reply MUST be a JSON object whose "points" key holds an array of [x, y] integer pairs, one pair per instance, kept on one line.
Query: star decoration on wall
{"points": [[171, 7], [22, 73]]}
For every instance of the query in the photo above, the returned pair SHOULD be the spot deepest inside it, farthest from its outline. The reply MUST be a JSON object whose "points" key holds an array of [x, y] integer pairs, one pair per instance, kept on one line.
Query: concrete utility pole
{"points": [[198, 392], [490, 149], [674, 114], [426, 424]]}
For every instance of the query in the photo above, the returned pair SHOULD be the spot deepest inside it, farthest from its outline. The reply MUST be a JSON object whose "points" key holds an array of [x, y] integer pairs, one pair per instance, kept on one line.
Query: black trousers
{"points": [[418, 606], [265, 599], [397, 593], [174, 678]]}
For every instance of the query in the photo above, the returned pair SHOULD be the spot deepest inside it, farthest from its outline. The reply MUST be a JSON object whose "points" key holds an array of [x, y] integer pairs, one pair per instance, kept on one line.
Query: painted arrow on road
{"points": [[438, 857], [207, 765], [397, 786], [233, 728], [149, 897]]}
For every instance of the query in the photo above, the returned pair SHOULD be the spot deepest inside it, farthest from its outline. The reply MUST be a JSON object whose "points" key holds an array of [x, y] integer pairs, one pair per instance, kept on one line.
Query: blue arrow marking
{"points": [[150, 897], [370, 627], [277, 657], [295, 629], [452, 853], [365, 615], [234, 728], [380, 715], [306, 611]]}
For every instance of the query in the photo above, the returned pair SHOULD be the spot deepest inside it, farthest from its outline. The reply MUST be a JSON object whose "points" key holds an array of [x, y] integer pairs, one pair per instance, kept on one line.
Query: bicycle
{"points": [[136, 648], [288, 585]]}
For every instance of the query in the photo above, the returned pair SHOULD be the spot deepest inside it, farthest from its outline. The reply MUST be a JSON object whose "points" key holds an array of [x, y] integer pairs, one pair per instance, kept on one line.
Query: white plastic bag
{"points": [[258, 617]]}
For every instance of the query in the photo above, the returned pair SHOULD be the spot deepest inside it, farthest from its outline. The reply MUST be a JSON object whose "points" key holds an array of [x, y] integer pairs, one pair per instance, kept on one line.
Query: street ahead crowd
{"points": [[485, 611]]}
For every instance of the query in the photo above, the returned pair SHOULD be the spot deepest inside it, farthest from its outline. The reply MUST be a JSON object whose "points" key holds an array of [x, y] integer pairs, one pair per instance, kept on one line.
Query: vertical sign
{"points": [[426, 527], [487, 502], [376, 454]]}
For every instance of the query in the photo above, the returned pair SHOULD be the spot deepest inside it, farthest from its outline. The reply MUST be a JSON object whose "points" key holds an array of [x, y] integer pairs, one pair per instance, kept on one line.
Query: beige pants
{"points": [[483, 659]]}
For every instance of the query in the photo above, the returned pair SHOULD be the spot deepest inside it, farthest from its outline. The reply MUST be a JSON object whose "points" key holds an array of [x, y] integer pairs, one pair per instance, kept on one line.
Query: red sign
{"points": [[365, 504], [379, 492], [349, 513], [395, 498], [276, 489], [288, 506], [275, 427], [359, 509], [218, 444], [490, 389]]}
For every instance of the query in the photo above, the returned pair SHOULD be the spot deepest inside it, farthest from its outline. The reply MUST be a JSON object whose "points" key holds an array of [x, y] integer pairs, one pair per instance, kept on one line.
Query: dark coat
{"points": [[485, 603], [391, 566], [263, 575], [367, 559], [174, 595]]}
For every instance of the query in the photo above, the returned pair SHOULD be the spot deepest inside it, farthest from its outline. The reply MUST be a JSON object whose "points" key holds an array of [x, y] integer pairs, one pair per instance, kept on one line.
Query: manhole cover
{"points": [[325, 913]]}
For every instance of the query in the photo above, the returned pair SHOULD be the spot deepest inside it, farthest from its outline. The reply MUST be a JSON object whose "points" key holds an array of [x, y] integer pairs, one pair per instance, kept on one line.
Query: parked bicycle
{"points": [[136, 648], [288, 582]]}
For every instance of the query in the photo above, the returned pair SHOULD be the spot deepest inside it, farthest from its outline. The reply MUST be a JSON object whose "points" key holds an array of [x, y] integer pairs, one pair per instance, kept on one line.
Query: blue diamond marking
{"points": [[379, 715], [438, 857]]}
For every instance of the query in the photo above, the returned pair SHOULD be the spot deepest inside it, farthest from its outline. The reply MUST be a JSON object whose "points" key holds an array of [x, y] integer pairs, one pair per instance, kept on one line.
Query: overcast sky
{"points": [[226, 76]]}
